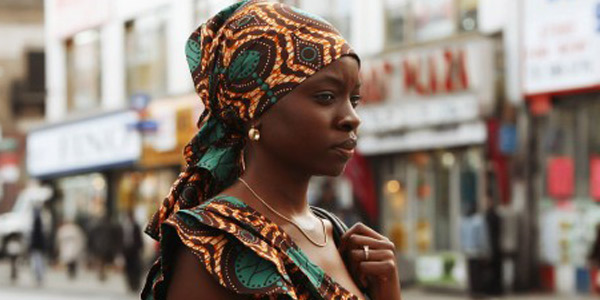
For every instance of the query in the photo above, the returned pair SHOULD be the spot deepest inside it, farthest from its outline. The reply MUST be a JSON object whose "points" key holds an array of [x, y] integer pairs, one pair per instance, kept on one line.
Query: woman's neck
{"points": [[280, 187]]}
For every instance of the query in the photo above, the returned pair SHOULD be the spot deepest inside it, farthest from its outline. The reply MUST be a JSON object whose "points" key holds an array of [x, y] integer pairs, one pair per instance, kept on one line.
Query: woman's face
{"points": [[313, 128]]}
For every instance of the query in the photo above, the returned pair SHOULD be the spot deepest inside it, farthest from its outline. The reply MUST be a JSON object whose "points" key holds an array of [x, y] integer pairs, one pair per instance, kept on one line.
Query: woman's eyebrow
{"points": [[331, 78]]}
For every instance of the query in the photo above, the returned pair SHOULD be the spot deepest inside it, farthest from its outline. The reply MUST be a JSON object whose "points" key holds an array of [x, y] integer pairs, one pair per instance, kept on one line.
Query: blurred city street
{"points": [[88, 287], [57, 285]]}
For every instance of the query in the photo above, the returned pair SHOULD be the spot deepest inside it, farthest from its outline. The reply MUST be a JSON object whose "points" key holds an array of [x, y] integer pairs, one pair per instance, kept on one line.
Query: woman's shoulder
{"points": [[210, 218], [217, 203], [220, 236], [223, 205]]}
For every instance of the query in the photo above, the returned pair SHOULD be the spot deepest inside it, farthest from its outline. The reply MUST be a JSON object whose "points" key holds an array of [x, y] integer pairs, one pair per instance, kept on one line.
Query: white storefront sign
{"points": [[427, 138], [439, 110], [409, 94], [561, 41], [445, 69], [92, 143]]}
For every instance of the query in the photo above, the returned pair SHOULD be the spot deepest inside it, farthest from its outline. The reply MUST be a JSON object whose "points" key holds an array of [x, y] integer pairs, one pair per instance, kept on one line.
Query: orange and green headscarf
{"points": [[243, 60]]}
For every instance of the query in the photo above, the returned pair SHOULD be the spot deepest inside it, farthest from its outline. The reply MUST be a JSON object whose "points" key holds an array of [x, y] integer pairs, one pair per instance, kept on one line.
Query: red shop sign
{"points": [[561, 174], [595, 177]]}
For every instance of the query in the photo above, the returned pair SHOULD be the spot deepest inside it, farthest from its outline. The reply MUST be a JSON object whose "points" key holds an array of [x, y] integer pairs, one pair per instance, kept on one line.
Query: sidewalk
{"points": [[416, 294], [87, 286], [58, 286]]}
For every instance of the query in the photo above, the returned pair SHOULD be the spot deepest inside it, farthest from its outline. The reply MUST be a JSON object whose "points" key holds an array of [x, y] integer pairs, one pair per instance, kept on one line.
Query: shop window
{"points": [[424, 201], [423, 194], [441, 214], [83, 71], [396, 14], [594, 150], [83, 198], [570, 132], [143, 192], [145, 43]]}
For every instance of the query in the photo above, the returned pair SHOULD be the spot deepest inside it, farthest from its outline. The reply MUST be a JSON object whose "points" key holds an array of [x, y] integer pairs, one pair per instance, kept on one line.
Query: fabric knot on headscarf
{"points": [[243, 61]]}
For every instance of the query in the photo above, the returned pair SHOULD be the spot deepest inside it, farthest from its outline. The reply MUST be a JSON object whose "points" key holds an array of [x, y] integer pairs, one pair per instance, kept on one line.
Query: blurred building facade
{"points": [[561, 82], [22, 85], [120, 106]]}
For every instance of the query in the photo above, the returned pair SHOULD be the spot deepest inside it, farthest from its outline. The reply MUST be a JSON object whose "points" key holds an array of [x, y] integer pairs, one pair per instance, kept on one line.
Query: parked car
{"points": [[15, 225]]}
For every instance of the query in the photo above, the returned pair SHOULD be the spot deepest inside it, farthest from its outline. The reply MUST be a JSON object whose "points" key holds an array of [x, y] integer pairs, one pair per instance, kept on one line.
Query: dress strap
{"points": [[339, 227]]}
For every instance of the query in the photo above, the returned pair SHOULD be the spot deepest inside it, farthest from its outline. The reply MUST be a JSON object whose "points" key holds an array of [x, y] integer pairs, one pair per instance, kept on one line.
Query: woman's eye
{"points": [[355, 100], [325, 97]]}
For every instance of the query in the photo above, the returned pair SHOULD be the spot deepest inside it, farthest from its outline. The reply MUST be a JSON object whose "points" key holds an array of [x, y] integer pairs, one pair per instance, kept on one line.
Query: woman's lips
{"points": [[346, 148], [345, 153]]}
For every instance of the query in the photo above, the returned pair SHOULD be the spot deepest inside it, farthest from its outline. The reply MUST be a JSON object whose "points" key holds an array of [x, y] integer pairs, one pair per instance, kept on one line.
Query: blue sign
{"points": [[139, 101], [145, 126], [508, 139]]}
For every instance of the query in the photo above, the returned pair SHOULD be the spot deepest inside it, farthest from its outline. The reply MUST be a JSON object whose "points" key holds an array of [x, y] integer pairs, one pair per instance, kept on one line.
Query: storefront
{"points": [[424, 131], [168, 124], [84, 158], [561, 77]]}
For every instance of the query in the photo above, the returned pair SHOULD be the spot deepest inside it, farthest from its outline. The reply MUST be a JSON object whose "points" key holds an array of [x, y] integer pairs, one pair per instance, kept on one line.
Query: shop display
{"points": [[595, 178], [561, 177]]}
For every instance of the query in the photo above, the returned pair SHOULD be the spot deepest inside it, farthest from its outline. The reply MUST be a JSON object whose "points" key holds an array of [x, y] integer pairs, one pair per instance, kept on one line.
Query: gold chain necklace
{"points": [[288, 219]]}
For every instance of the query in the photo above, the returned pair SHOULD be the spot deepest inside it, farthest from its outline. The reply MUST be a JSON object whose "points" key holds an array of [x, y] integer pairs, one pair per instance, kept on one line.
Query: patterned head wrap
{"points": [[243, 60]]}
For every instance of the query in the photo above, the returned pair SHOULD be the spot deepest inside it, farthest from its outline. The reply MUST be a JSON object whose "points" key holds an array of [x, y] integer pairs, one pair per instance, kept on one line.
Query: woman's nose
{"points": [[349, 120]]}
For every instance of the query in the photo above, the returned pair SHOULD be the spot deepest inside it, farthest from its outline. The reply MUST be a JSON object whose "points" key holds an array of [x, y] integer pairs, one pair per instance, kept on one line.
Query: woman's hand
{"points": [[377, 272]]}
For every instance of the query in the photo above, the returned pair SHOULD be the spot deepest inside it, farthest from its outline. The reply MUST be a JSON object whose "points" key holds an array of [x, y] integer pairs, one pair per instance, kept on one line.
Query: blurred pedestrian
{"points": [[476, 247], [328, 199], [71, 243], [105, 239], [594, 259], [132, 251], [13, 250], [38, 245], [494, 278]]}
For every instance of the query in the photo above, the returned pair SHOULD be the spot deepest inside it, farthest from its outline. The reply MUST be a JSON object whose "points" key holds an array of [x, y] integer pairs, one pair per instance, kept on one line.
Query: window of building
{"points": [[396, 22], [83, 71], [467, 15], [205, 9], [433, 19], [336, 12], [423, 195], [145, 44], [568, 131]]}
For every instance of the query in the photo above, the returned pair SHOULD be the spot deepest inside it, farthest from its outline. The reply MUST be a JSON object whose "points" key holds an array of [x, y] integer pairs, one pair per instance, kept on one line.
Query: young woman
{"points": [[280, 87]]}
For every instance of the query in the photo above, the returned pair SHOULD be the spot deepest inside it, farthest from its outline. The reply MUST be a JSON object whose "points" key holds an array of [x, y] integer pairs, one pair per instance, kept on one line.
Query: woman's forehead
{"points": [[344, 71]]}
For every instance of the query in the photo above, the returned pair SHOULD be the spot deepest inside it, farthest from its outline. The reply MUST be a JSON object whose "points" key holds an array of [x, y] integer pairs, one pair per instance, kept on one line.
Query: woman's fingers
{"points": [[359, 241], [362, 229], [374, 255]]}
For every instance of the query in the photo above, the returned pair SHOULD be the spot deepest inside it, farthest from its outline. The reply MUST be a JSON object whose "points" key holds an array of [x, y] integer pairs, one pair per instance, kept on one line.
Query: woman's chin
{"points": [[332, 170]]}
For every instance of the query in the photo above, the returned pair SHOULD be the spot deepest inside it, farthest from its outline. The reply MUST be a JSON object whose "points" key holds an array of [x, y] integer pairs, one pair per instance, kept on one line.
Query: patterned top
{"points": [[244, 251]]}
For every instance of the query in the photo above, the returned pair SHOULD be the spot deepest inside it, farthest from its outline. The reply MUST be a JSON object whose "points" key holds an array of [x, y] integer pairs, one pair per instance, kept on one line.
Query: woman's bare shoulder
{"points": [[190, 280]]}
